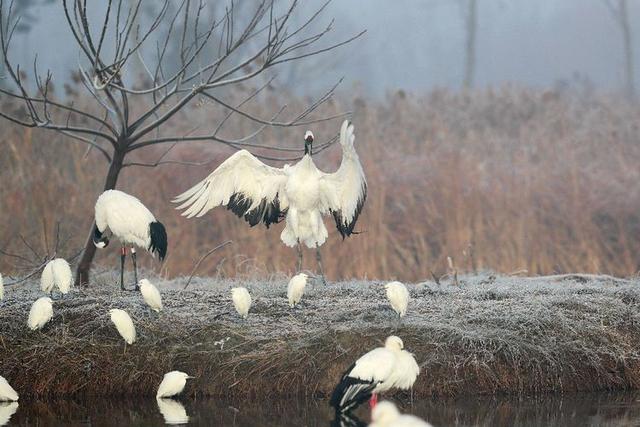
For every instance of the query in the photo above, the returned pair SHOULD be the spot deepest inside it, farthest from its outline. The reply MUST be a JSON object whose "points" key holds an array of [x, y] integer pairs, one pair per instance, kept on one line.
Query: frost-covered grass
{"points": [[488, 335]]}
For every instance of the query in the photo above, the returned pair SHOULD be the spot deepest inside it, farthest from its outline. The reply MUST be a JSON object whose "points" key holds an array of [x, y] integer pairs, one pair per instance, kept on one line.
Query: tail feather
{"points": [[158, 239], [351, 392]]}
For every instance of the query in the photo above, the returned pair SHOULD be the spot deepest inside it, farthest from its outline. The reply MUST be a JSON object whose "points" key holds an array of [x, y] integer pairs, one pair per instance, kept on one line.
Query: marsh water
{"points": [[616, 409]]}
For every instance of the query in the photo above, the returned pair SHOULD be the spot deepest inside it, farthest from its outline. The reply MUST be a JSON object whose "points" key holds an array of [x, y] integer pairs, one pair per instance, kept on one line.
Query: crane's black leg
{"points": [[135, 268], [319, 259], [299, 267], [123, 255]]}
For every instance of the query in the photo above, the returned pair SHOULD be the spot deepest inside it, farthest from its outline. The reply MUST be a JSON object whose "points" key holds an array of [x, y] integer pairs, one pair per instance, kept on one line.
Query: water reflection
{"points": [[172, 411], [580, 410], [6, 411]]}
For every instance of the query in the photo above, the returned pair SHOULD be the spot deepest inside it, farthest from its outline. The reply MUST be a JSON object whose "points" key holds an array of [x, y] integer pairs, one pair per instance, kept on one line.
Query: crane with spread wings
{"points": [[299, 193]]}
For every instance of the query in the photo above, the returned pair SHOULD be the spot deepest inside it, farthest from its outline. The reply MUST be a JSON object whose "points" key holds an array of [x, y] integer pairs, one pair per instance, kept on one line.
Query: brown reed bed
{"points": [[487, 335], [506, 179]]}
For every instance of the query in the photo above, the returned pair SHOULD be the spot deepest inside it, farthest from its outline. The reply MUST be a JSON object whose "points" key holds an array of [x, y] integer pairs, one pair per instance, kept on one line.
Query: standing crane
{"points": [[300, 194]]}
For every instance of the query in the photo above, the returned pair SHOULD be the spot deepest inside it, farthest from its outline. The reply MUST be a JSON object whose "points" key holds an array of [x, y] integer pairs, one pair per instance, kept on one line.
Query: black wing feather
{"points": [[351, 392], [266, 212], [345, 229]]}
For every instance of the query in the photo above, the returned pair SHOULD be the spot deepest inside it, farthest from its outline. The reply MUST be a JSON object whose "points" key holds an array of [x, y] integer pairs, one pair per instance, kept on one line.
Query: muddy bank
{"points": [[489, 335]]}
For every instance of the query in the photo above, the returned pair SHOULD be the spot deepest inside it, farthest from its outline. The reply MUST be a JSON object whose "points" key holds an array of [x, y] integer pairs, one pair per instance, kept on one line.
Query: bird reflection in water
{"points": [[172, 411]]}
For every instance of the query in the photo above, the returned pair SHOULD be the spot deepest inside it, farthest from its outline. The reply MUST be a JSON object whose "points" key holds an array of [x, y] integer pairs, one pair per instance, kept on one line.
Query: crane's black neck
{"points": [[308, 147]]}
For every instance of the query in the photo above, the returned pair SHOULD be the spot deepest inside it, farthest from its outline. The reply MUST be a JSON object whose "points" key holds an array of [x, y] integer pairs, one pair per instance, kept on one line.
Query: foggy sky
{"points": [[419, 44]]}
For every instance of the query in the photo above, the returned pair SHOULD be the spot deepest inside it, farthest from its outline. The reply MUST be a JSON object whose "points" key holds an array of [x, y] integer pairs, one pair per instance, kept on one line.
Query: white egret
{"points": [[386, 414], [172, 411], [151, 295], [241, 301], [124, 325], [57, 273], [1, 288], [132, 223], [41, 312], [6, 391], [295, 289], [300, 193], [379, 370], [172, 383], [398, 296]]}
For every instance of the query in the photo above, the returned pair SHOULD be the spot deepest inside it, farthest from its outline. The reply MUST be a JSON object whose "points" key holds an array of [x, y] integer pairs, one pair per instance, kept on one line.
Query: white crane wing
{"points": [[345, 191], [244, 185]]}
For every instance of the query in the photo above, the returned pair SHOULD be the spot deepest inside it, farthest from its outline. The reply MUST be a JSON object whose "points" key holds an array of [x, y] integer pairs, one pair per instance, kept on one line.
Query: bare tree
{"points": [[109, 51], [471, 18], [620, 13]]}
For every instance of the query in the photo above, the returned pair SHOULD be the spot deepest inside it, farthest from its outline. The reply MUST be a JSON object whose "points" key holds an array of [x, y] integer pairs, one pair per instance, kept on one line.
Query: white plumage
{"points": [[132, 223], [151, 295], [172, 411], [386, 414], [57, 273], [300, 193], [6, 411], [1, 288], [379, 370], [398, 296], [41, 312], [295, 289], [172, 383], [123, 324], [241, 301], [6, 391]]}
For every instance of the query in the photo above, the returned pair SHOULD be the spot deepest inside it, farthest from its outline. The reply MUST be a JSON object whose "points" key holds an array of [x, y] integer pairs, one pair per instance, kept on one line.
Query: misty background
{"points": [[419, 45]]}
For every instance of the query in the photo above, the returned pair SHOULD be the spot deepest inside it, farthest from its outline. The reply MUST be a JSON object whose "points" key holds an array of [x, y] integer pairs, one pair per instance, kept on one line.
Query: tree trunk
{"points": [[628, 49], [470, 60], [82, 274]]}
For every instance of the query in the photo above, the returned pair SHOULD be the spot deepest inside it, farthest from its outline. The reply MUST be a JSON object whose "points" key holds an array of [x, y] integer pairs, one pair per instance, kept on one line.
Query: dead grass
{"points": [[488, 335], [506, 179]]}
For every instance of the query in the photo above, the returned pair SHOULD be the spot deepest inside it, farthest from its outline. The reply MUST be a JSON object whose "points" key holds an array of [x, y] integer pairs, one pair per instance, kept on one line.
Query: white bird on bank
{"points": [[6, 391], [151, 295], [241, 301], [41, 312], [6, 412], [172, 383], [1, 288], [300, 193], [398, 296], [386, 414], [132, 223], [295, 289], [379, 370], [57, 273], [172, 411], [124, 325]]}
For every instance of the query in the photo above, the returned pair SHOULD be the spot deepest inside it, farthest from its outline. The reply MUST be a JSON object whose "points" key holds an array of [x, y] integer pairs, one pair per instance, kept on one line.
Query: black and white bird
{"points": [[132, 223], [300, 194], [379, 370]]}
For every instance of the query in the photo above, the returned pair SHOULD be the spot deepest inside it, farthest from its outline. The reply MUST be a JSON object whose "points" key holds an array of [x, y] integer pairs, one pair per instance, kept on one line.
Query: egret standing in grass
{"points": [[295, 289], [398, 296], [241, 301], [57, 273], [300, 193], [379, 370], [132, 223], [41, 312], [386, 414], [123, 324], [6, 391], [172, 383], [151, 295]]}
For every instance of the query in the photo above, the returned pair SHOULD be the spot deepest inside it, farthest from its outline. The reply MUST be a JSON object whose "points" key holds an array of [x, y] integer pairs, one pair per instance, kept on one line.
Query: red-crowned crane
{"points": [[133, 224], [300, 193], [379, 370]]}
